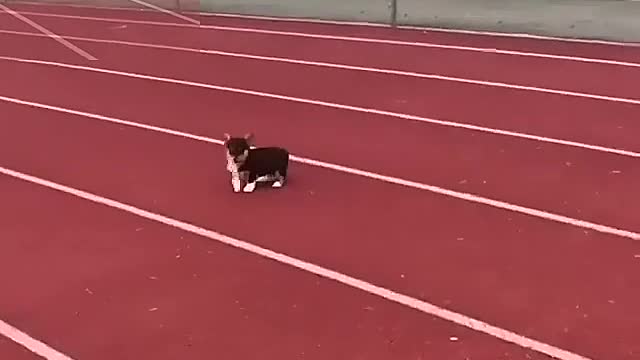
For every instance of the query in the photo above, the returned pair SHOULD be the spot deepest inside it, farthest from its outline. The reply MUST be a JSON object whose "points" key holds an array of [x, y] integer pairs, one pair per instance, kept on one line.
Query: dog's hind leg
{"points": [[281, 176], [282, 173]]}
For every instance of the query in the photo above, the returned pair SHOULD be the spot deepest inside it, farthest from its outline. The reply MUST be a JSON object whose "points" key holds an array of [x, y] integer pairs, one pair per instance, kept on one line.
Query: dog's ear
{"points": [[249, 137]]}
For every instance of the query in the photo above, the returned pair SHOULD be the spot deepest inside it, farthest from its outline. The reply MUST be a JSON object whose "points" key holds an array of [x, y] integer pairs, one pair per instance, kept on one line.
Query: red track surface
{"points": [[82, 266], [13, 351]]}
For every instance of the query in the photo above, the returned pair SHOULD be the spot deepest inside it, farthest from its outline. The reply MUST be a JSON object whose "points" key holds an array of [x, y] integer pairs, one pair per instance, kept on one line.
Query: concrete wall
{"points": [[600, 19], [617, 20], [348, 10]]}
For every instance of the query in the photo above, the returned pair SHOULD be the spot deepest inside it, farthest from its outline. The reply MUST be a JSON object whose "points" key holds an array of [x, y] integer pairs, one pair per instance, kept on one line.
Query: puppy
{"points": [[254, 165]]}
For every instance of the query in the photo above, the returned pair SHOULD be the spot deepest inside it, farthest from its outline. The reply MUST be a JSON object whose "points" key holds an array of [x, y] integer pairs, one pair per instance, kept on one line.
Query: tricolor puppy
{"points": [[254, 165]]}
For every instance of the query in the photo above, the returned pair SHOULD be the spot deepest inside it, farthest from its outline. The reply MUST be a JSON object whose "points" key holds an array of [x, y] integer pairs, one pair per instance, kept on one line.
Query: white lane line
{"points": [[85, 6], [367, 174], [420, 44], [336, 106], [524, 36], [428, 76], [365, 24], [347, 67], [347, 280], [424, 29], [169, 12], [50, 34], [350, 39], [35, 346]]}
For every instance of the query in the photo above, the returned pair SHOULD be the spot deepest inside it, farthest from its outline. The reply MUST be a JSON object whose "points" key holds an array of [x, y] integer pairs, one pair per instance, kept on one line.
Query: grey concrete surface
{"points": [[377, 11], [617, 20], [614, 20]]}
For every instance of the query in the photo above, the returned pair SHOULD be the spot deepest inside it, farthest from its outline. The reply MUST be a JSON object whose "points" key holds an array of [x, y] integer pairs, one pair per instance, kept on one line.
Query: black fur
{"points": [[257, 164], [236, 147], [267, 161]]}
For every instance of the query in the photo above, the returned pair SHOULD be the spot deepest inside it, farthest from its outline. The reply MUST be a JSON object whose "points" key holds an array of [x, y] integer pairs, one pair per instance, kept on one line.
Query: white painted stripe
{"points": [[523, 36], [169, 12], [50, 34], [79, 6], [351, 39], [426, 76], [35, 346], [294, 19], [366, 24], [347, 280], [424, 29], [367, 174], [429, 76], [337, 106], [208, 14], [348, 67], [420, 44]]}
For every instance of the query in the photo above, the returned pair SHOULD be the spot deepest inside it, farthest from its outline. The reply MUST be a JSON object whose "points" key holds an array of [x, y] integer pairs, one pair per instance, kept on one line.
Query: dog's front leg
{"points": [[235, 181], [251, 183], [249, 187]]}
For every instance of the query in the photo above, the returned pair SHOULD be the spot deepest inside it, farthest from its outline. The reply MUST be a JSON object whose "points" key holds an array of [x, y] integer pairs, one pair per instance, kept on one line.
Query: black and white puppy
{"points": [[254, 165]]}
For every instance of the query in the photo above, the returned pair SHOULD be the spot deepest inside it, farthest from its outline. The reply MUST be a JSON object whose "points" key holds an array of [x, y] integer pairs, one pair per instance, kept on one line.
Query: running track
{"points": [[95, 282]]}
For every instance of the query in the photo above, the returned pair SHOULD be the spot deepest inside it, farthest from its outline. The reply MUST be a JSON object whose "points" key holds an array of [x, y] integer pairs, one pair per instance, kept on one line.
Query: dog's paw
{"points": [[236, 185], [249, 187], [277, 184]]}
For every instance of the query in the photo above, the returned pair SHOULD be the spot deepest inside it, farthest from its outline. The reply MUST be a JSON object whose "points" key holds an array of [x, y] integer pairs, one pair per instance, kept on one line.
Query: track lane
{"points": [[133, 13], [12, 351], [53, 50], [509, 69], [496, 167], [492, 268], [581, 49], [122, 30], [591, 121], [10, 22], [208, 298], [547, 73], [591, 50]]}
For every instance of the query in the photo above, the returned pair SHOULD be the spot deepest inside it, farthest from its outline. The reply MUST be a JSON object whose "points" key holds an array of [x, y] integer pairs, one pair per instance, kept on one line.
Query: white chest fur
{"points": [[232, 167]]}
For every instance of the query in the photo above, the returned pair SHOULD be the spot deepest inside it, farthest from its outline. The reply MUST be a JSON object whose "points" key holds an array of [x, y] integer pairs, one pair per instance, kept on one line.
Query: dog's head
{"points": [[237, 149]]}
